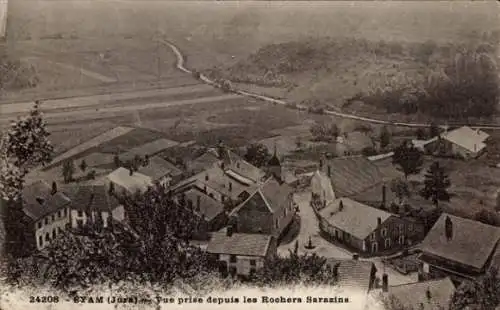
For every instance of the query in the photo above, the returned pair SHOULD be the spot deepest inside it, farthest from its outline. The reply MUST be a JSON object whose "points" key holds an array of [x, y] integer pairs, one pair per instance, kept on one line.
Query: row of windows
{"points": [[384, 231], [234, 259], [60, 214], [55, 231]]}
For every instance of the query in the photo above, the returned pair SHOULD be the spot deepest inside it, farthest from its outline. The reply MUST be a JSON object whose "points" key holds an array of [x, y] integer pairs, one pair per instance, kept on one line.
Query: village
{"points": [[386, 220]]}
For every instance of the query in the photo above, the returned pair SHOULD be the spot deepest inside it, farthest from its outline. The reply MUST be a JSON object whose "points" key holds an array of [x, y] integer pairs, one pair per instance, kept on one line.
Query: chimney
{"points": [[355, 256], [130, 171], [329, 171], [385, 283], [230, 186], [206, 177], [379, 221], [198, 203], [384, 195], [54, 188], [448, 228], [229, 230]]}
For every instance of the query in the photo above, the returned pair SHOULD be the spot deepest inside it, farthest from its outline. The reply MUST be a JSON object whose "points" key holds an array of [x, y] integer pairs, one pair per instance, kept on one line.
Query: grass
{"points": [[131, 139]]}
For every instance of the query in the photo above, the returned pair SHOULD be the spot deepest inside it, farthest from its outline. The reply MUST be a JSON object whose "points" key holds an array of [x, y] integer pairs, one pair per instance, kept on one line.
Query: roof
{"points": [[273, 194], [51, 203], [209, 207], [239, 244], [466, 234], [132, 183], [468, 138], [98, 159], [219, 181], [211, 157], [352, 174], [428, 295], [158, 168], [149, 148], [246, 170], [353, 273], [420, 144], [355, 218], [93, 197]]}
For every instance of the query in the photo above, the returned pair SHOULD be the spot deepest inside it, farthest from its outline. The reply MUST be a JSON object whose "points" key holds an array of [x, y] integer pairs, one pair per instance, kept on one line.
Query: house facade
{"points": [[240, 254], [268, 210], [443, 252], [375, 232], [322, 189], [46, 214]]}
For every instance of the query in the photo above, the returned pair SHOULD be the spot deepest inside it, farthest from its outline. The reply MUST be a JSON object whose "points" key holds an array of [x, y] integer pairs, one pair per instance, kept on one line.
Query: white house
{"points": [[241, 254], [46, 213], [321, 187], [95, 203], [126, 181], [463, 142]]}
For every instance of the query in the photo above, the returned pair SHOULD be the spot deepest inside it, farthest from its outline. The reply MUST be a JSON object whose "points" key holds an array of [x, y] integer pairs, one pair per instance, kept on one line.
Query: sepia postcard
{"points": [[161, 154]]}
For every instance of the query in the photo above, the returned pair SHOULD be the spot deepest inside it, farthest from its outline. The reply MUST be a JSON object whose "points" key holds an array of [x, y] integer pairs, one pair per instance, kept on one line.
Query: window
{"points": [[252, 271], [387, 243], [80, 213], [65, 212], [79, 223], [384, 232], [410, 227], [47, 237], [40, 241], [232, 259], [59, 214], [39, 225], [53, 217], [54, 234], [276, 223], [46, 221], [253, 262]]}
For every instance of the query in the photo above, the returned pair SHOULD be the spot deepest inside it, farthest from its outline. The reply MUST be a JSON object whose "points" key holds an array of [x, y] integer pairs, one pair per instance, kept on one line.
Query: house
{"points": [[268, 210], [354, 274], [459, 248], [240, 253], [355, 142], [427, 295], [160, 171], [367, 229], [222, 182], [463, 142], [46, 211], [321, 188], [93, 203], [126, 181], [213, 157], [351, 175], [210, 211]]}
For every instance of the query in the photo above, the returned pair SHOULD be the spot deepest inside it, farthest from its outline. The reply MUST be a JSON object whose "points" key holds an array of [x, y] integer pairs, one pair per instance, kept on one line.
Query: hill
{"points": [[351, 73]]}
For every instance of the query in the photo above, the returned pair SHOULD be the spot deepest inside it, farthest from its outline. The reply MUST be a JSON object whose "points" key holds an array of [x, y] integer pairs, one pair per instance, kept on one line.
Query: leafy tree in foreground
{"points": [[484, 294], [309, 269], [436, 184], [257, 154], [409, 158]]}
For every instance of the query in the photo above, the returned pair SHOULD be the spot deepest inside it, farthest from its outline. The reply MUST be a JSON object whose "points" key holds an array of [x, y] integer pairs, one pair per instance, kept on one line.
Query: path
{"points": [[181, 66]]}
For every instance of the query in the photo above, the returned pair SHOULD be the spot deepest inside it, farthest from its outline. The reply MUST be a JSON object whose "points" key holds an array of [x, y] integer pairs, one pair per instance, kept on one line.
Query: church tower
{"points": [[274, 166]]}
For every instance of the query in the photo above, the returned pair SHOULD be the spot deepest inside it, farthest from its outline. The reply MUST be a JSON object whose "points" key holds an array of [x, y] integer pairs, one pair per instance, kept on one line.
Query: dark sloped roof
{"points": [[352, 174], [50, 203], [239, 244], [275, 194], [209, 207], [353, 273], [158, 168], [149, 148], [427, 295], [472, 242], [93, 197], [247, 170]]}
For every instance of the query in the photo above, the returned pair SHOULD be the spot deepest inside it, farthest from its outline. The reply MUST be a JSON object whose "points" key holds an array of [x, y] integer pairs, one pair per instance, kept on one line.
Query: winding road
{"points": [[182, 67]]}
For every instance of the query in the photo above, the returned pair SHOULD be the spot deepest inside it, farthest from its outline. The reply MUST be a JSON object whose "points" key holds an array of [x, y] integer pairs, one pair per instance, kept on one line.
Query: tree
{"points": [[487, 217], [484, 294], [117, 161], [385, 137], [91, 175], [420, 133], [257, 154], [83, 165], [324, 132], [23, 145], [434, 130], [436, 184], [400, 189], [409, 158], [68, 170]]}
